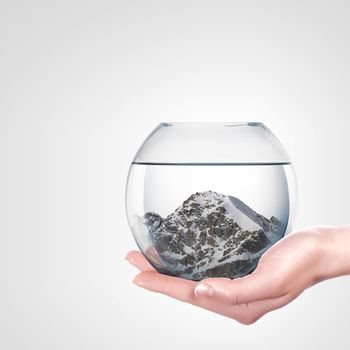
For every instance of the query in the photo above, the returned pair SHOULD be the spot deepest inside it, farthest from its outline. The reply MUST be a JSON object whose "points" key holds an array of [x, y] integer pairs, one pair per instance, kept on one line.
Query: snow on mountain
{"points": [[209, 235]]}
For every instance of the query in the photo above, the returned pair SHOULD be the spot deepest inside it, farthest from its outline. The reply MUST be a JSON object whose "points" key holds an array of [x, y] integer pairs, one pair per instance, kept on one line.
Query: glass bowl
{"points": [[208, 199]]}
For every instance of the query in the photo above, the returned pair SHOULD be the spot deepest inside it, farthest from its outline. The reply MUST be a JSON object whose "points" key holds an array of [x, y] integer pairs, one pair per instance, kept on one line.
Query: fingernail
{"points": [[203, 290], [130, 260], [137, 281]]}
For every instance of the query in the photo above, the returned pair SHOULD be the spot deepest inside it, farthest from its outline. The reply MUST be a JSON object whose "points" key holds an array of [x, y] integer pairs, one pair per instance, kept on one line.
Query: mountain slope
{"points": [[209, 235]]}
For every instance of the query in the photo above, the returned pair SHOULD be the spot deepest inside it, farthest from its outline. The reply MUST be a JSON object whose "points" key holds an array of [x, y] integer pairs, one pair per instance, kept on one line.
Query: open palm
{"points": [[283, 272]]}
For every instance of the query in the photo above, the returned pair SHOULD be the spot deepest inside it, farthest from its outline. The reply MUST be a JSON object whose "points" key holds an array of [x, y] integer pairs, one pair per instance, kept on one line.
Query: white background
{"points": [[82, 83]]}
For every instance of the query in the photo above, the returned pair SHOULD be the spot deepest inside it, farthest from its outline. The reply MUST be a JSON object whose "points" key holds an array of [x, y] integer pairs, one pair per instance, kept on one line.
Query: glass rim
{"points": [[199, 124]]}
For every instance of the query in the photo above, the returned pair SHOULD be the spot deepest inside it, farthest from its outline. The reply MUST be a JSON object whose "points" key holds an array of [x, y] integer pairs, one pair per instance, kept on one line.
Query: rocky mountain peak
{"points": [[209, 235]]}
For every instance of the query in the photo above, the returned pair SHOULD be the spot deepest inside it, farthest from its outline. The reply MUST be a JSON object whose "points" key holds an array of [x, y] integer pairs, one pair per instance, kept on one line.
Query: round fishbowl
{"points": [[208, 199]]}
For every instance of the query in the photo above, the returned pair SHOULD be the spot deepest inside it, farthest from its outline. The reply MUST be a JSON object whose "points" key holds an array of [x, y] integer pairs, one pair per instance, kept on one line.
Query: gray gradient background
{"points": [[81, 85]]}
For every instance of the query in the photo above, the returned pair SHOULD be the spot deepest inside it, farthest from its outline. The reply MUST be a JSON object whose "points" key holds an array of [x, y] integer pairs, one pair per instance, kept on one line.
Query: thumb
{"points": [[253, 287]]}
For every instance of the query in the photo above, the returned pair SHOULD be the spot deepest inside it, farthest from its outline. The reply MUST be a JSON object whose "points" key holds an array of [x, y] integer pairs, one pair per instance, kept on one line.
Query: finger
{"points": [[139, 261], [184, 290], [153, 256], [174, 287], [259, 285], [249, 313], [262, 307], [245, 313]]}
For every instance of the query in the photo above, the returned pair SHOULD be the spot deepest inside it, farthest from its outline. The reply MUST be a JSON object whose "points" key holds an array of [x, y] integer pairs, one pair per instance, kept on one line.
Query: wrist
{"points": [[333, 252]]}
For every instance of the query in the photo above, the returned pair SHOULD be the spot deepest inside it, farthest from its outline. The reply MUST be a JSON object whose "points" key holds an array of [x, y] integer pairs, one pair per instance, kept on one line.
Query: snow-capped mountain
{"points": [[209, 235]]}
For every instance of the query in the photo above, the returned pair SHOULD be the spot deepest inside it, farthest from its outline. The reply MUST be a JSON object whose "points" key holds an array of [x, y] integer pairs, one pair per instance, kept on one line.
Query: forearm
{"points": [[334, 252]]}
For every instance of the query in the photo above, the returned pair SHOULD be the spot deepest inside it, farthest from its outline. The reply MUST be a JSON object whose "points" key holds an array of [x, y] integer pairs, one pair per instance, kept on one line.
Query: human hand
{"points": [[289, 267]]}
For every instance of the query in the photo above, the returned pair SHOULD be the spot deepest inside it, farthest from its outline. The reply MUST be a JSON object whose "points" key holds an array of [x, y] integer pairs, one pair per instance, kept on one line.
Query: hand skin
{"points": [[293, 264]]}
